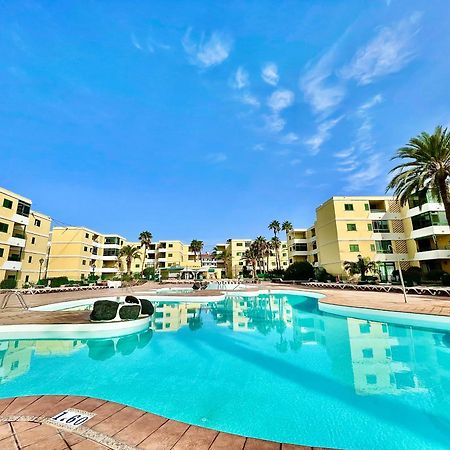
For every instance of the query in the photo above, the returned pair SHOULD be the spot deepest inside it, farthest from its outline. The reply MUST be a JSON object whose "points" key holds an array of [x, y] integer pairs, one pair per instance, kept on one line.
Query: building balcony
{"points": [[299, 241], [18, 218], [115, 246], [426, 207], [376, 214], [390, 257], [14, 266], [108, 258], [388, 236], [17, 241], [434, 230], [299, 253], [107, 270], [432, 254]]}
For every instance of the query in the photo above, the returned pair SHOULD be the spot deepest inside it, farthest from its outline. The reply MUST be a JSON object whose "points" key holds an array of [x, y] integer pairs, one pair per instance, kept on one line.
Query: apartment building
{"points": [[24, 236], [235, 249], [77, 252]]}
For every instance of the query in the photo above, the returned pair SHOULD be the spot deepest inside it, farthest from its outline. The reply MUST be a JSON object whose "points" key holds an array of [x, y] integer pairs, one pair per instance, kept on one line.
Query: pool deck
{"points": [[25, 424]]}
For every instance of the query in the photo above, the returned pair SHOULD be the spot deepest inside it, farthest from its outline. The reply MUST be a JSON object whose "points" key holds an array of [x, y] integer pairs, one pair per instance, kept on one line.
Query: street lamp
{"points": [[93, 269], [400, 273], [41, 261]]}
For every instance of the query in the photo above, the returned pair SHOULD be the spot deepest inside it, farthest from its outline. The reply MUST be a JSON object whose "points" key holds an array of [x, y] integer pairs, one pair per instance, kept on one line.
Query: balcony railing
{"points": [[19, 235], [16, 258]]}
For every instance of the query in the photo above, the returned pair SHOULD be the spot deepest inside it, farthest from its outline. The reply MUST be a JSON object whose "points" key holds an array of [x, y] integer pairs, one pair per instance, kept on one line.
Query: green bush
{"points": [[321, 275], [445, 279], [104, 310], [149, 273], [126, 277], [129, 312], [147, 307], [433, 275], [55, 282], [8, 284], [301, 270]]}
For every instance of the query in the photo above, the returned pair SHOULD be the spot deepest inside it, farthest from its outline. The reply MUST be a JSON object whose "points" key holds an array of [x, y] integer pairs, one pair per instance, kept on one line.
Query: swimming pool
{"points": [[267, 366]]}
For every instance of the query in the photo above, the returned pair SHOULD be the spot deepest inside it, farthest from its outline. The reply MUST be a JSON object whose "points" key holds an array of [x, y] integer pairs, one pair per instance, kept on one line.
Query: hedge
{"points": [[129, 312], [104, 310], [8, 284]]}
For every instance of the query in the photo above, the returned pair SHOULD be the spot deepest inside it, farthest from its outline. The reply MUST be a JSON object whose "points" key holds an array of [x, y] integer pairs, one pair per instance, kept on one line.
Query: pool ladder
{"points": [[19, 297]]}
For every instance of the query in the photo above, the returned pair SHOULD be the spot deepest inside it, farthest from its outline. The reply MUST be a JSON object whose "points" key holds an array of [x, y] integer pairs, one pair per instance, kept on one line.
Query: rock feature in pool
{"points": [[111, 311]]}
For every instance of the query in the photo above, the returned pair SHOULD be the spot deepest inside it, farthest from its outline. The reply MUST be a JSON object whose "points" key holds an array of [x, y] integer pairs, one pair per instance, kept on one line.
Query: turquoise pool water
{"points": [[272, 367]]}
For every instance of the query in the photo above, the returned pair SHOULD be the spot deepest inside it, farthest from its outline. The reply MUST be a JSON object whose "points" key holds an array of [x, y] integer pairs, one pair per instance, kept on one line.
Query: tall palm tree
{"points": [[197, 247], [268, 252], [146, 239], [130, 253], [251, 257], [260, 244], [427, 168], [276, 245], [286, 226], [275, 227]]}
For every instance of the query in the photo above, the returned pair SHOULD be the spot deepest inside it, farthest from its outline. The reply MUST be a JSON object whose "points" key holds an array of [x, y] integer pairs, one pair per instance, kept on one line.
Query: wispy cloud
{"points": [[240, 78], [289, 138], [148, 45], [322, 134], [322, 93], [274, 123], [216, 158], [269, 74], [368, 174], [258, 147], [295, 162], [136, 43], [388, 52], [280, 99], [207, 51], [249, 99]]}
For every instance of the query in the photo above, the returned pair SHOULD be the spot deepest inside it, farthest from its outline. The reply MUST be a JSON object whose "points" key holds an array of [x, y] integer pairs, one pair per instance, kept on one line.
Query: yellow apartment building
{"points": [[24, 236]]}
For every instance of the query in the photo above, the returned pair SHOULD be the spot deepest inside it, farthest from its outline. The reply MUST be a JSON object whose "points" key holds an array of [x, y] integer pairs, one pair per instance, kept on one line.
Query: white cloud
{"points": [[295, 162], [258, 147], [289, 138], [150, 45], [280, 99], [388, 52], [309, 172], [322, 94], [240, 79], [322, 135], [269, 74], [216, 158], [207, 52], [249, 99], [274, 123], [368, 175], [344, 153], [136, 43], [375, 100]]}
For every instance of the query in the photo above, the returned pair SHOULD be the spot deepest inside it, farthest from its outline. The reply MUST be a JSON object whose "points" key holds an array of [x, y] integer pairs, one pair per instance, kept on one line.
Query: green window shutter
{"points": [[7, 203], [366, 206], [348, 206], [354, 247], [3, 227], [372, 247], [369, 227], [351, 227], [1, 252]]}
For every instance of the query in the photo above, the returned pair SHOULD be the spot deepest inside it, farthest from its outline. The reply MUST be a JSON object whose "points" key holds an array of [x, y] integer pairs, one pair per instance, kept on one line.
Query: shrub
{"points": [[322, 275], [445, 279], [149, 273], [413, 275], [433, 275], [104, 310], [126, 277], [54, 282], [301, 270], [131, 299], [8, 284], [147, 307], [129, 312]]}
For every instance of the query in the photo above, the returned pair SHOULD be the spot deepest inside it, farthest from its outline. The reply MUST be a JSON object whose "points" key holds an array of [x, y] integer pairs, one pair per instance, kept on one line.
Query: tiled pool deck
{"points": [[25, 424]]}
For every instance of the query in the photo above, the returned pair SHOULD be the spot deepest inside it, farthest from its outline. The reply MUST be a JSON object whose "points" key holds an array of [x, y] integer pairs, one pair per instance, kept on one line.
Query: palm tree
{"points": [[426, 170], [268, 252], [130, 253], [146, 239], [274, 226], [276, 245], [362, 266], [225, 256], [197, 247], [260, 244], [251, 257], [287, 227]]}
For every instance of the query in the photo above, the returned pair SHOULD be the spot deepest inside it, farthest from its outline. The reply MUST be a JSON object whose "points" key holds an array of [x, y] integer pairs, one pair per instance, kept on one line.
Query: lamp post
{"points": [[400, 273], [41, 261], [93, 269]]}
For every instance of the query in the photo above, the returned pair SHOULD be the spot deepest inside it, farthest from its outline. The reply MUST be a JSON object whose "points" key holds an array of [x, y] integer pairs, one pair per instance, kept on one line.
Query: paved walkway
{"points": [[25, 424]]}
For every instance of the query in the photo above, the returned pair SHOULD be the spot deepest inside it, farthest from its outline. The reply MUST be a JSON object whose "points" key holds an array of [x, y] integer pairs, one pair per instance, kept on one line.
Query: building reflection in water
{"points": [[373, 357]]}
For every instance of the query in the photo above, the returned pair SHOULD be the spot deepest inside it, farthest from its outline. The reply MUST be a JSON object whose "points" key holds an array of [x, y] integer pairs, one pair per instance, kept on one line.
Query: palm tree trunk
{"points": [[443, 191]]}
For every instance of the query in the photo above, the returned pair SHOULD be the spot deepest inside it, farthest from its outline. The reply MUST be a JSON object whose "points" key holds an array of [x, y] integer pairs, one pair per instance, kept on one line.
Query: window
{"points": [[366, 206], [37, 223], [369, 227], [383, 246], [367, 353], [388, 352], [364, 328], [170, 245], [372, 247], [348, 206], [3, 227], [351, 227], [23, 209], [169, 255], [239, 244], [33, 240], [7, 203], [354, 247], [85, 249], [84, 262], [1, 252], [371, 379], [87, 235], [30, 258], [27, 278], [380, 226], [137, 266]]}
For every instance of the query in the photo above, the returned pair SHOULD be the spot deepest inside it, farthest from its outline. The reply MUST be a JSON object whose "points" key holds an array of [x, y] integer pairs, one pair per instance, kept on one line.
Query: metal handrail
{"points": [[19, 297]]}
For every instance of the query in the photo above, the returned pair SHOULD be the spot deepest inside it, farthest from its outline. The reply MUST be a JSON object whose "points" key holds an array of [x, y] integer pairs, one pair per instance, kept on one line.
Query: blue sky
{"points": [[209, 119]]}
